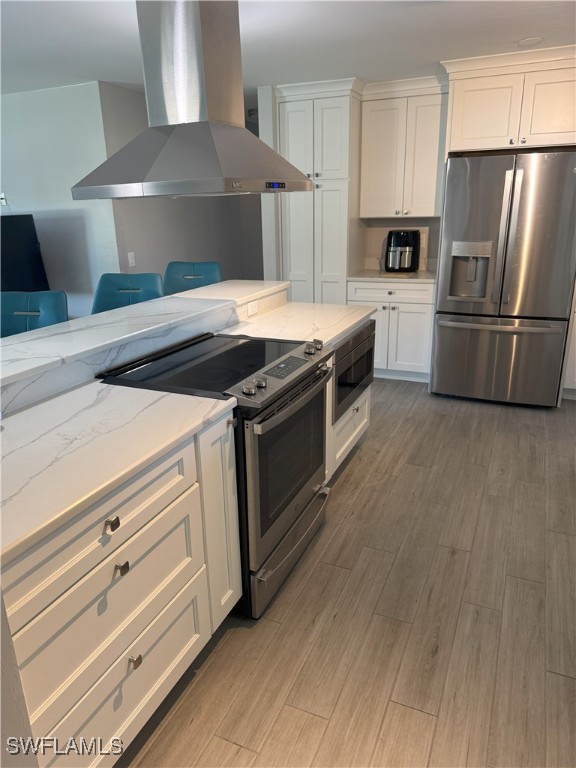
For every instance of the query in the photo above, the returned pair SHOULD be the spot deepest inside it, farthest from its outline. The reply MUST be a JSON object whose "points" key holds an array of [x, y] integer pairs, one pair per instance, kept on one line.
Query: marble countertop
{"points": [[37, 351], [69, 449], [80, 445], [301, 321], [239, 291], [375, 274]]}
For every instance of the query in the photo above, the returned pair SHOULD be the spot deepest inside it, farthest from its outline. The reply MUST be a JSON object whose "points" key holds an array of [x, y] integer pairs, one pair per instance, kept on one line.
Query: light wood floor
{"points": [[432, 622]]}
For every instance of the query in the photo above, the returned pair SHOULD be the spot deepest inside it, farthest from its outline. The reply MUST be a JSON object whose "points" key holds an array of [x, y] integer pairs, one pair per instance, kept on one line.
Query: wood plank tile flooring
{"points": [[432, 622]]}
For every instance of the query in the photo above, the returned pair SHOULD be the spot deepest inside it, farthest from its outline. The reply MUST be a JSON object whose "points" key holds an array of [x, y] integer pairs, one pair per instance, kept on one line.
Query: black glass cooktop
{"points": [[206, 366]]}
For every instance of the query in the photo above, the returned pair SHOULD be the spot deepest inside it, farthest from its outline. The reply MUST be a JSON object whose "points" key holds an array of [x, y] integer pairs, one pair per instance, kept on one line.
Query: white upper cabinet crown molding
{"points": [[324, 88], [519, 61], [418, 86]]}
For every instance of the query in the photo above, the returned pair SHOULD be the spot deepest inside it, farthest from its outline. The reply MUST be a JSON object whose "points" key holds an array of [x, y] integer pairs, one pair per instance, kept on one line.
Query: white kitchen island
{"points": [[120, 535]]}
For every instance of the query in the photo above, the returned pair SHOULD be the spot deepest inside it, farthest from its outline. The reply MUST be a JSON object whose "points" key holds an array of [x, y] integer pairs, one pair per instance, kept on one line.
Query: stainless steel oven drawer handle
{"points": [[265, 574], [266, 426], [500, 328]]}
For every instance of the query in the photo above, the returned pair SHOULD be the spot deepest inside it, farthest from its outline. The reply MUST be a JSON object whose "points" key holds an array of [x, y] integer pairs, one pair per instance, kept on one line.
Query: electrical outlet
{"points": [[252, 308], [131, 259]]}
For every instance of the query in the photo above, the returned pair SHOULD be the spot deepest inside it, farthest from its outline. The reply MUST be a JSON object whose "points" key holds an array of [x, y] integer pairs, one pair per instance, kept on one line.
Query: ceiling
{"points": [[65, 42]]}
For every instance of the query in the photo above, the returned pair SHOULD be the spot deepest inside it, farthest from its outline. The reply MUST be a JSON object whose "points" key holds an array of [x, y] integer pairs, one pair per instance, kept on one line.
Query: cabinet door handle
{"points": [[393, 307], [317, 174], [512, 141], [522, 141], [122, 568], [391, 293], [232, 422], [135, 660], [356, 409], [308, 174], [112, 524], [397, 211], [406, 213], [317, 186]]}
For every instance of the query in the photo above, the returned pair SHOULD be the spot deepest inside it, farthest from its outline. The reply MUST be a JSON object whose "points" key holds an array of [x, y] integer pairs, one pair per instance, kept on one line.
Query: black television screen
{"points": [[21, 265]]}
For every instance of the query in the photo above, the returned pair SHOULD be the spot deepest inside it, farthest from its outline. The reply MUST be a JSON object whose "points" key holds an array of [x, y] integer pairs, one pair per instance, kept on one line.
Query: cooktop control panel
{"points": [[284, 369]]}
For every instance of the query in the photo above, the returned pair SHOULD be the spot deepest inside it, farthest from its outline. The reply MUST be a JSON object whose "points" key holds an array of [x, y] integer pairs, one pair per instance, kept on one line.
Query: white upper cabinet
{"points": [[383, 153], [486, 112], [549, 108], [401, 157], [297, 134], [319, 133], [315, 136], [502, 111]]}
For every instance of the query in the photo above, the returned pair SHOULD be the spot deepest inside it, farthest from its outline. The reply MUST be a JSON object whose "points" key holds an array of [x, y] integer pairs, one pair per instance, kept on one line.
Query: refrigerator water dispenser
{"points": [[469, 270]]}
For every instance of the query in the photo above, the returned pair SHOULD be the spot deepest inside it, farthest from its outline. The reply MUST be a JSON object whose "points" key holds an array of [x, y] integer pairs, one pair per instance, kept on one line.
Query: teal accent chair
{"points": [[185, 275], [117, 289], [27, 310]]}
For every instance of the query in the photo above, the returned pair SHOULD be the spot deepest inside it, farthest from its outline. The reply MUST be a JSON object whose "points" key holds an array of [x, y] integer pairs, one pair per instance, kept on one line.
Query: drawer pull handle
{"points": [[356, 408], [123, 568], [390, 293], [135, 660], [112, 524]]}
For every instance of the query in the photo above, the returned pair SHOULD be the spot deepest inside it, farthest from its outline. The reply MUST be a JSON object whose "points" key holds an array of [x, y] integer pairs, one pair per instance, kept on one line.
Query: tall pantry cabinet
{"points": [[316, 126]]}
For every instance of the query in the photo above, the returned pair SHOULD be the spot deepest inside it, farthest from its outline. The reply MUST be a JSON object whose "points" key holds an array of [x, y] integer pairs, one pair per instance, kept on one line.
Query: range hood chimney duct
{"points": [[197, 143]]}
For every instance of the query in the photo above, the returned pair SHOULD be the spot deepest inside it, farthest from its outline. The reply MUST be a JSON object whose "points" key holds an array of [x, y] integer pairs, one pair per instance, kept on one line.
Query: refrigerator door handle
{"points": [[500, 328], [513, 230], [502, 235]]}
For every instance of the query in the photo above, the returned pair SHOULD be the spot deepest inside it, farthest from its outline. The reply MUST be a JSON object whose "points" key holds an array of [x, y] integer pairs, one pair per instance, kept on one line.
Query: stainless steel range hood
{"points": [[197, 143]]}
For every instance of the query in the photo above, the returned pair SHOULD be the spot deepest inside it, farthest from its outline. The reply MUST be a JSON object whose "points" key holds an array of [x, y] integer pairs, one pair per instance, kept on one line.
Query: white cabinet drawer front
{"points": [[119, 704], [351, 426], [378, 293], [39, 576], [68, 646]]}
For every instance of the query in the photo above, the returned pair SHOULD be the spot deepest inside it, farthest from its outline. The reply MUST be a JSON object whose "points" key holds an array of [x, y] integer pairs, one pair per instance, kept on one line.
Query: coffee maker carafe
{"points": [[401, 252]]}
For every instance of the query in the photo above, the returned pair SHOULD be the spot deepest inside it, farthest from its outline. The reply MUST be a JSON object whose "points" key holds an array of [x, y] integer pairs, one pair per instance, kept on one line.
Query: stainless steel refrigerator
{"points": [[505, 276]]}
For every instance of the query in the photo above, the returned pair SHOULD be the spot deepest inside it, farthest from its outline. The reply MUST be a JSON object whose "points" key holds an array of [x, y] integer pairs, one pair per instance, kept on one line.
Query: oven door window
{"points": [[288, 456]]}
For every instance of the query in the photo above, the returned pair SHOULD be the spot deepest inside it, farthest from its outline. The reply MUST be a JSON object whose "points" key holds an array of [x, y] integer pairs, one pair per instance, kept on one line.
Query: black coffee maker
{"points": [[401, 252]]}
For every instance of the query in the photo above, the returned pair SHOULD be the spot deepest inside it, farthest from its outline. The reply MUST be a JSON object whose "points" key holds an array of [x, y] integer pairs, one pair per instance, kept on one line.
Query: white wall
{"points": [[50, 140], [159, 230]]}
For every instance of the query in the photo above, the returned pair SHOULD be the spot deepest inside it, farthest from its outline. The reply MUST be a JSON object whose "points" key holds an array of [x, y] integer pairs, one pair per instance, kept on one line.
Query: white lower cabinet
{"points": [[409, 337], [404, 318], [108, 611], [349, 429], [217, 470], [117, 706]]}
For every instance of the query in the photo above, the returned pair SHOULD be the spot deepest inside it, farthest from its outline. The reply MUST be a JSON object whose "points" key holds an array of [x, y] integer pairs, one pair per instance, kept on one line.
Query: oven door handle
{"points": [[269, 424]]}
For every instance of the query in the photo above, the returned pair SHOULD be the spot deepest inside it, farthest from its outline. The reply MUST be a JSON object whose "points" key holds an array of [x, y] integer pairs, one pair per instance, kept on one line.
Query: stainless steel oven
{"points": [[280, 435], [283, 450], [354, 368]]}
